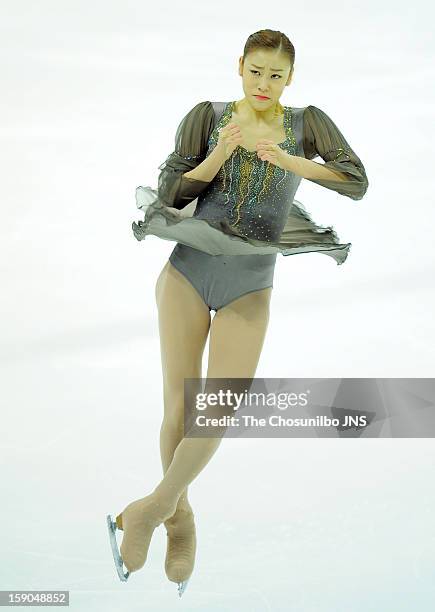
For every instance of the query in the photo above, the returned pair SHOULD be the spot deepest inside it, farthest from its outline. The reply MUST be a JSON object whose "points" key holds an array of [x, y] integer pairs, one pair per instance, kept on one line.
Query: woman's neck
{"points": [[257, 117]]}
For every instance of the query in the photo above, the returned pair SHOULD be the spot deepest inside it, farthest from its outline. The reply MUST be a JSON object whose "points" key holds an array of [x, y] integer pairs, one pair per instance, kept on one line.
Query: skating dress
{"points": [[241, 219]]}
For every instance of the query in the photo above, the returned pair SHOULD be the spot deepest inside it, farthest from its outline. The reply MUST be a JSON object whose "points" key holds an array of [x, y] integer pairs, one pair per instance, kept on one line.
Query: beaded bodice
{"points": [[254, 196]]}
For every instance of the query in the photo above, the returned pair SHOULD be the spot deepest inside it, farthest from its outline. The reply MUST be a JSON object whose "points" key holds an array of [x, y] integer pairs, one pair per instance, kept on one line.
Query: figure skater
{"points": [[242, 161]]}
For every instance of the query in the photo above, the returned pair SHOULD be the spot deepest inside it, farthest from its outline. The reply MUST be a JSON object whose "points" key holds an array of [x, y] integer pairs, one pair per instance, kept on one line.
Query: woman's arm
{"points": [[207, 170], [343, 171], [312, 170], [174, 188]]}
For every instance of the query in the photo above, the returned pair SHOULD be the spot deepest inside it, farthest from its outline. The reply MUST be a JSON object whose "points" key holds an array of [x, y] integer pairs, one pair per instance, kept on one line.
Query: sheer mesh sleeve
{"points": [[323, 138], [190, 150]]}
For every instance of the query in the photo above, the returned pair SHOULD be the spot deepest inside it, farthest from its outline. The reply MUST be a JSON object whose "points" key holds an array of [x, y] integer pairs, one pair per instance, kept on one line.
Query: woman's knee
{"points": [[173, 396], [173, 423]]}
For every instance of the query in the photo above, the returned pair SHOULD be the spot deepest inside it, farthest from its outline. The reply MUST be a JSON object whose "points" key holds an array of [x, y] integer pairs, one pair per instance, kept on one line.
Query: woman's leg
{"points": [[237, 335], [236, 340], [184, 323]]}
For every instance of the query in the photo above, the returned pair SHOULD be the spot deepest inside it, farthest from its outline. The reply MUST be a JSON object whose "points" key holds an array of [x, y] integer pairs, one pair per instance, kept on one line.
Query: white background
{"points": [[92, 93]]}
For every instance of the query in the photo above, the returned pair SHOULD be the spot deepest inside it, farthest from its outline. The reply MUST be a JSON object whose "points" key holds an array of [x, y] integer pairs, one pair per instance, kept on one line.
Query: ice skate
{"points": [[181, 548], [138, 521]]}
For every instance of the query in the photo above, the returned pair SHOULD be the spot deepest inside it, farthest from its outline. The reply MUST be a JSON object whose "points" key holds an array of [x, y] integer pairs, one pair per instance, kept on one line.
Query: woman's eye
{"points": [[278, 75]]}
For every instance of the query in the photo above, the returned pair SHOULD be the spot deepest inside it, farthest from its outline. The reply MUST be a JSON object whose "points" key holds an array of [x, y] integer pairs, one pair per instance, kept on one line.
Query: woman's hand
{"points": [[268, 151], [229, 139]]}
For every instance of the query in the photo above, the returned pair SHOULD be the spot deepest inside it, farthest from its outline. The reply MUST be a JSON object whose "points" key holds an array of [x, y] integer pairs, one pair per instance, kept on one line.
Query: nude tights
{"points": [[236, 336]]}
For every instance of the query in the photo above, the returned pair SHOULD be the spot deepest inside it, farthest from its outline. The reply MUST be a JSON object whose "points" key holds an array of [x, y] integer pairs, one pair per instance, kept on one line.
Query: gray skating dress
{"points": [[238, 222]]}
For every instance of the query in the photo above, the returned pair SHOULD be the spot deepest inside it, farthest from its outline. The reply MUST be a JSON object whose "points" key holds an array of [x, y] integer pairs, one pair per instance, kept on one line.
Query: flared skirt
{"points": [[299, 235]]}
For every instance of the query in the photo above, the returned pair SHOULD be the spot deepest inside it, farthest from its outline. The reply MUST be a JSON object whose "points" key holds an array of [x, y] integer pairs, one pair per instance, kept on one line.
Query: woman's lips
{"points": [[261, 97]]}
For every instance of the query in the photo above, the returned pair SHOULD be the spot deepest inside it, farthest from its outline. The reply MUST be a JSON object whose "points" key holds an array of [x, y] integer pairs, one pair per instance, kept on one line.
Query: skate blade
{"points": [[112, 526], [182, 587]]}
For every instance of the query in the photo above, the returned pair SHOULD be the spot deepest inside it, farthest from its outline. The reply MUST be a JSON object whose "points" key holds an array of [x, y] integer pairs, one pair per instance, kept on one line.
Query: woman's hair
{"points": [[270, 39]]}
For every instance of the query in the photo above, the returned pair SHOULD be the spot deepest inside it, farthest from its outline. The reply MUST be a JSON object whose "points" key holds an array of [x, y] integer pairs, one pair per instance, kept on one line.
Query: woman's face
{"points": [[264, 72]]}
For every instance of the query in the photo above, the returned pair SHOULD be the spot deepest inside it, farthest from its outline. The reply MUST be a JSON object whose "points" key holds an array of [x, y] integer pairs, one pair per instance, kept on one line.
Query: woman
{"points": [[243, 161]]}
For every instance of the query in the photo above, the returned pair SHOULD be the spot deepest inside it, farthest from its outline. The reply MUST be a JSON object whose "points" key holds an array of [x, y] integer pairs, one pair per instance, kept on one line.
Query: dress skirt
{"points": [[299, 235]]}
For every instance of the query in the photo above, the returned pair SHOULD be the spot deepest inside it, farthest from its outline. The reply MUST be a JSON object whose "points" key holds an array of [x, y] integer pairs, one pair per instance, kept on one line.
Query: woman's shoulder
{"points": [[303, 109], [206, 112]]}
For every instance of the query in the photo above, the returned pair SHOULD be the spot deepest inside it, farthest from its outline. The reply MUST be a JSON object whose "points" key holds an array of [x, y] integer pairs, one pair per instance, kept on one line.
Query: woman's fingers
{"points": [[234, 130]]}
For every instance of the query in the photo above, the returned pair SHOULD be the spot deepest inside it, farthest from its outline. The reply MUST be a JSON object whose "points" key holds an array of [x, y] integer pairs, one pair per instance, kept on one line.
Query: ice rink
{"points": [[92, 93]]}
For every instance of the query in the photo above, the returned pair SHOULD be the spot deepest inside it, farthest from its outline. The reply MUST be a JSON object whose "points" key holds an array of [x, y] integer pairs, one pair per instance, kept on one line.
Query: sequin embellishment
{"points": [[340, 151], [253, 187], [189, 156]]}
